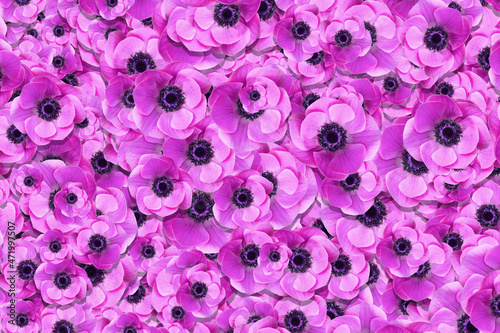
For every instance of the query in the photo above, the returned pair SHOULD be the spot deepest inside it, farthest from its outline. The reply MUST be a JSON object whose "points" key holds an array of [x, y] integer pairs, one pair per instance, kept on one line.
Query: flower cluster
{"points": [[232, 166]]}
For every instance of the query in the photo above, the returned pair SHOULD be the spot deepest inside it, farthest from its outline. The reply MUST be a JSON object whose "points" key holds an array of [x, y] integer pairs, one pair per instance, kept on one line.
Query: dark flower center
{"points": [[247, 115], [129, 329], [483, 3], [465, 326], [300, 260], [495, 306], [100, 164], [41, 16], [483, 58], [269, 176], [98, 213], [454, 240], [98, 243], [488, 216], [112, 3], [70, 79], [200, 152], [422, 270], [309, 99], [94, 274], [22, 320], [374, 274], [26, 270], [171, 98], [253, 319], [71, 198], [455, 5], [254, 95], [162, 186], [29, 181], [58, 31], [402, 246], [391, 84], [55, 246], [332, 137], [333, 310], [403, 306], [32, 32], [138, 296], [139, 217], [211, 256], [107, 32], [63, 326], [436, 38], [242, 198], [226, 15], [148, 251], [343, 38], [58, 61], [316, 58], [62, 280], [178, 312], [249, 255], [15, 136], [128, 99], [351, 183], [266, 9], [147, 21], [23, 2], [341, 266], [319, 224], [274, 256], [450, 187], [14, 95], [413, 166], [51, 157], [201, 207], [139, 63], [495, 172], [373, 32], [374, 216], [301, 30], [48, 109], [295, 321], [445, 88], [52, 195], [199, 290]]}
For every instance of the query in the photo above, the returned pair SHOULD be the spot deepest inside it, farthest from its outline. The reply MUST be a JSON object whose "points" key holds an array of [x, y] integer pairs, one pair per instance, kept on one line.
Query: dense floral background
{"points": [[249, 166]]}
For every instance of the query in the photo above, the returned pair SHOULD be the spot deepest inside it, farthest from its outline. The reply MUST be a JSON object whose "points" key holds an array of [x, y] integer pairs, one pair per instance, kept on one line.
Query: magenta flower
{"points": [[102, 161], [146, 251], [483, 305], [360, 317], [68, 150], [26, 180], [308, 316], [53, 247], [478, 52], [27, 317], [54, 29], [349, 273], [126, 322], [22, 11], [482, 211], [16, 146], [117, 106], [159, 186], [137, 299], [12, 74], [77, 317], [174, 313]]}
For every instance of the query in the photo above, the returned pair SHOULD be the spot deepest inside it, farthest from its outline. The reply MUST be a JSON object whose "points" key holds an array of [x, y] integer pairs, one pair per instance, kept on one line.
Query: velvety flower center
{"points": [[413, 166], [483, 58], [454, 240], [333, 310], [266, 9], [495, 172], [445, 88], [83, 124], [94, 274], [295, 321], [178, 312], [148, 251], [162, 186], [58, 31], [129, 329], [245, 114], [253, 319], [300, 260], [139, 217], [351, 183], [309, 99], [98, 243], [22, 320], [373, 32], [242, 198], [402, 246], [269, 176], [32, 32], [249, 255], [391, 84], [51, 157], [450, 187], [465, 326], [483, 3], [343, 38], [495, 306], [100, 164], [316, 58], [147, 21], [341, 266], [200, 152], [201, 207], [107, 32], [62, 280], [23, 2], [139, 63], [488, 216], [274, 256], [422, 271], [254, 95], [374, 216], [138, 296], [226, 15], [29, 181], [171, 98], [332, 137], [63, 326], [436, 38], [15, 136], [71, 198], [55, 246], [58, 61], [374, 274], [70, 79], [48, 109], [14, 95], [199, 290], [26, 270], [51, 199], [301, 30], [319, 224], [112, 3], [128, 99], [403, 306], [98, 213], [41, 16], [455, 5], [211, 256]]}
